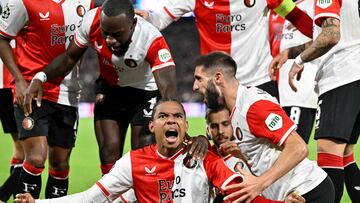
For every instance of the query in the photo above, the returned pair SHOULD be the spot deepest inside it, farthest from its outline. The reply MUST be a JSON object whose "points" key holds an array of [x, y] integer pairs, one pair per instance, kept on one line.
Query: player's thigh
{"points": [[141, 114], [63, 125], [317, 194], [7, 111], [303, 118], [337, 116]]}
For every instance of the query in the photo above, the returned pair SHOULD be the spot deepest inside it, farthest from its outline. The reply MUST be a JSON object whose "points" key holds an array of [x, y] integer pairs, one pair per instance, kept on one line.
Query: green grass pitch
{"points": [[85, 163]]}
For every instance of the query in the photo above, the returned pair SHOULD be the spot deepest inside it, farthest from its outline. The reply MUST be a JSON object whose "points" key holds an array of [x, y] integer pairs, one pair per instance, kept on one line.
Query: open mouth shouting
{"points": [[171, 136]]}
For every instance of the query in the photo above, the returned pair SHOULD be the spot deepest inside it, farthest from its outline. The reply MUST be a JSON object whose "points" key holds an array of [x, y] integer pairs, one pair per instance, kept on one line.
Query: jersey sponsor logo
{"points": [[229, 23], [249, 3], [209, 4], [167, 191], [44, 16], [238, 133], [324, 3], [239, 166], [150, 172], [274, 121], [5, 12], [130, 63], [164, 55], [28, 123], [61, 34], [80, 10]]}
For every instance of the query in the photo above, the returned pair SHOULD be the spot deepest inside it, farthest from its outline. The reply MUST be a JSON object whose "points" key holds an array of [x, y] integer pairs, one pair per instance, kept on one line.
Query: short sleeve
{"points": [[158, 54], [218, 173], [118, 180], [325, 9], [14, 17], [268, 120], [82, 33]]}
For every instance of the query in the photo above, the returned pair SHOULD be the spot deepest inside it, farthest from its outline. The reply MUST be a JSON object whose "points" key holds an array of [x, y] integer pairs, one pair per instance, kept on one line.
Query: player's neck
{"points": [[230, 94]]}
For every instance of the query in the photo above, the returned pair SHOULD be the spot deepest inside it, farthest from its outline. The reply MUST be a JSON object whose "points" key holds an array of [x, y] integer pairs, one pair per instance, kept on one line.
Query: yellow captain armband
{"points": [[285, 8]]}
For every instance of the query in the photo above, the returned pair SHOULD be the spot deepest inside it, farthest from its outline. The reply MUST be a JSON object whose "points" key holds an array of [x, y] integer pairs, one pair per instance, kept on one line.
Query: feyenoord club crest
{"points": [[189, 162], [80, 10], [130, 62], [238, 165], [238, 133], [249, 3], [28, 123]]}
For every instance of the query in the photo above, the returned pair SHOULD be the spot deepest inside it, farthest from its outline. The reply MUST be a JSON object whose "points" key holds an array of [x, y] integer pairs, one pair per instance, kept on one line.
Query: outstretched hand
{"points": [[24, 198], [34, 91], [198, 147]]}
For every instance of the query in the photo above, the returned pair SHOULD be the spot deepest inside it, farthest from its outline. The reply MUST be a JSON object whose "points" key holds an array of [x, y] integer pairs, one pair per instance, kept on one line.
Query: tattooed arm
{"points": [[328, 38]]}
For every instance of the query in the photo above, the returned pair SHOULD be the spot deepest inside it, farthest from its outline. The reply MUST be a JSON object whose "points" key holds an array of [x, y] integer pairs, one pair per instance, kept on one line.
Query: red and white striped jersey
{"points": [[239, 28], [147, 52], [284, 36], [45, 28], [261, 126], [340, 65], [156, 178]]}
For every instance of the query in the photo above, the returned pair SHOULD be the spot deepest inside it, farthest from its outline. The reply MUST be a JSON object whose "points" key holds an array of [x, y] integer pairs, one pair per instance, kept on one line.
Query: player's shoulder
{"points": [[248, 95], [144, 151], [146, 31]]}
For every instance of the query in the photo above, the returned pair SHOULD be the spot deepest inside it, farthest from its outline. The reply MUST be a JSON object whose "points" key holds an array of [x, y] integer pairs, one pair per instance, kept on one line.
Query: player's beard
{"points": [[212, 96]]}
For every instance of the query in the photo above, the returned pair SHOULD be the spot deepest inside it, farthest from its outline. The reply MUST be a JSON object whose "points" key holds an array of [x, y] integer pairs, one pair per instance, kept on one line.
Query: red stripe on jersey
{"points": [[322, 12], [213, 26], [158, 53], [216, 170], [106, 193], [168, 12], [326, 160], [232, 113], [123, 199], [276, 23], [268, 120], [6, 35], [348, 159]]}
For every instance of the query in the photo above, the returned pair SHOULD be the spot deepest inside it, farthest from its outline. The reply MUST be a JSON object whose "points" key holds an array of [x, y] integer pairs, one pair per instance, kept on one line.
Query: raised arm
{"points": [[59, 67]]}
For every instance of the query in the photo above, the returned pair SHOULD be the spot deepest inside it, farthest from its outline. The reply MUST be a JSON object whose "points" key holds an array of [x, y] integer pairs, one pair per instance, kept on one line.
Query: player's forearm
{"points": [[166, 81], [59, 67], [328, 38], [295, 51], [93, 194], [294, 151], [8, 59]]}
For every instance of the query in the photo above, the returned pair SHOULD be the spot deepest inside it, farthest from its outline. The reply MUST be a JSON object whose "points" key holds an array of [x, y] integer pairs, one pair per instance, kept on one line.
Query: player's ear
{"points": [[218, 78], [151, 126]]}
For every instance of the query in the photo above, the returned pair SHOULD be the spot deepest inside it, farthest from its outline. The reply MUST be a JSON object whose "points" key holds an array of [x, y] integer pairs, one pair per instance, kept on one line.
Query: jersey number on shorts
{"points": [[295, 113]]}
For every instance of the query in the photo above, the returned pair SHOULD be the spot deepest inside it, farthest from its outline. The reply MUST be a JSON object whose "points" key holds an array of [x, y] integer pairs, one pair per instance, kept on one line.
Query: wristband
{"points": [[299, 61], [285, 8], [40, 76]]}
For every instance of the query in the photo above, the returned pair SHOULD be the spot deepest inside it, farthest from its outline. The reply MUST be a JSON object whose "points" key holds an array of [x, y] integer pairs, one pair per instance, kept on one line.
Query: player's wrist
{"points": [[299, 61], [40, 76]]}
